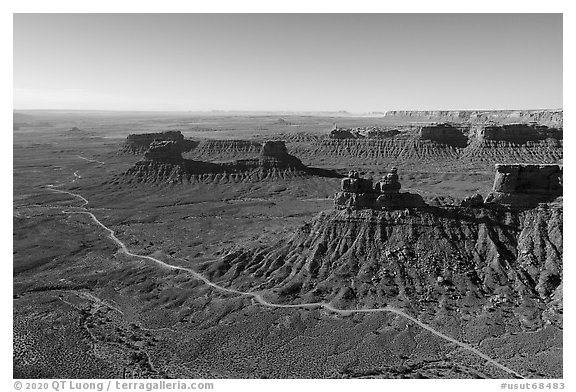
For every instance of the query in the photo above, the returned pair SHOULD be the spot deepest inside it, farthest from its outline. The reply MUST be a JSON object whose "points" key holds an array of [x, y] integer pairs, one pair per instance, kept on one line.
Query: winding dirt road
{"points": [[258, 297]]}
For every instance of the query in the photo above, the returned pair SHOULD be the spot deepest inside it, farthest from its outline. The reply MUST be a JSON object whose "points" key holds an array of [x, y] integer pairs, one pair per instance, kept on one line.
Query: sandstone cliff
{"points": [[481, 258], [447, 134], [163, 164], [140, 143], [377, 149], [363, 133], [517, 133], [477, 260], [483, 144], [164, 150], [225, 150], [545, 117], [526, 185], [360, 193]]}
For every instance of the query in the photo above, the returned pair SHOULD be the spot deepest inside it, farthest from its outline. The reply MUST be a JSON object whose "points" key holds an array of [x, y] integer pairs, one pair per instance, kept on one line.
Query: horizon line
{"points": [[280, 111]]}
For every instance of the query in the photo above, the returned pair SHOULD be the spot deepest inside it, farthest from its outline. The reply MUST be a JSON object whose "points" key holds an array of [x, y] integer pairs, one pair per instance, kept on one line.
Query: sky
{"points": [[287, 62]]}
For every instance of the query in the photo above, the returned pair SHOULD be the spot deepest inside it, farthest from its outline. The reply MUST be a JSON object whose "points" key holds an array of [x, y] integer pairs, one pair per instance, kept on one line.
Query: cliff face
{"points": [[517, 133], [163, 164], [455, 134], [376, 149], [165, 150], [225, 149], [359, 193], [140, 143], [447, 134], [363, 133], [372, 252], [466, 142], [445, 142], [544, 117], [492, 151], [526, 185], [452, 258]]}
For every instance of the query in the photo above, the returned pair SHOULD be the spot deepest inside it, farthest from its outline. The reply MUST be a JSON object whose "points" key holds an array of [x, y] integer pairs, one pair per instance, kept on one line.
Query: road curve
{"points": [[258, 297]]}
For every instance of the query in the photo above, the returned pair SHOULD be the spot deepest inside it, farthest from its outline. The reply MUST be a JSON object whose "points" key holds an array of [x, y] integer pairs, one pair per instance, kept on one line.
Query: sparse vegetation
{"points": [[82, 309]]}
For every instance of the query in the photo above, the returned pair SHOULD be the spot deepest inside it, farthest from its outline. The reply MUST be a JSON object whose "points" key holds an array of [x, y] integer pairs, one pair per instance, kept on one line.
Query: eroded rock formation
{"points": [[551, 117], [360, 193], [363, 133], [225, 150], [374, 251], [525, 185], [444, 133], [517, 133], [164, 150], [163, 164], [140, 143], [273, 156], [473, 201], [375, 150], [274, 148], [484, 262], [476, 144]]}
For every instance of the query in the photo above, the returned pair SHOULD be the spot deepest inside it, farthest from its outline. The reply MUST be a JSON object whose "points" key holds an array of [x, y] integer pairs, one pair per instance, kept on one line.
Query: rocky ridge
{"points": [[482, 259], [483, 144], [488, 144], [225, 150], [444, 256], [526, 185], [377, 149], [517, 133], [359, 193], [447, 134], [163, 164], [140, 143], [548, 117], [363, 133]]}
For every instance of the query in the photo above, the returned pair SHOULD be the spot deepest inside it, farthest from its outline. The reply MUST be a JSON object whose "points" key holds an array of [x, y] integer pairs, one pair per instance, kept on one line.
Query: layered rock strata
{"points": [[483, 144], [517, 133], [163, 163], [363, 133], [140, 143], [444, 133], [525, 185], [164, 150], [225, 150], [359, 193], [552, 117], [474, 259], [478, 260]]}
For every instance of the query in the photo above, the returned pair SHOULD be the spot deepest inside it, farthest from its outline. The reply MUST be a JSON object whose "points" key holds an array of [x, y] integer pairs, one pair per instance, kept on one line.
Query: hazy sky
{"points": [[354, 62]]}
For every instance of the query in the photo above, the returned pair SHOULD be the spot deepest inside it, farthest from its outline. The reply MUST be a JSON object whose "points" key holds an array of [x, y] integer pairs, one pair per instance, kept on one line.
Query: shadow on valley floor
{"points": [[315, 171]]}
